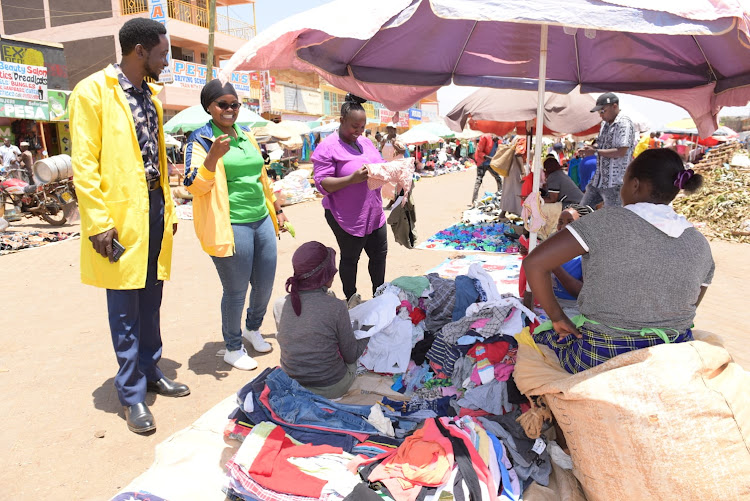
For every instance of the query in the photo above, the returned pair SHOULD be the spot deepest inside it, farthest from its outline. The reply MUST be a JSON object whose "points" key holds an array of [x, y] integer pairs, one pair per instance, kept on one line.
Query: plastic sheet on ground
{"points": [[503, 268]]}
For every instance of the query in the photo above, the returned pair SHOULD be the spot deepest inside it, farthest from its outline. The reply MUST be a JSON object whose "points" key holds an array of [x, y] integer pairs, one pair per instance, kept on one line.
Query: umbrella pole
{"points": [[539, 125]]}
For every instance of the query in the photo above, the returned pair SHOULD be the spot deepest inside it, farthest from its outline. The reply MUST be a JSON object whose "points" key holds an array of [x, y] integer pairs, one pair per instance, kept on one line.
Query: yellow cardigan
{"points": [[111, 184], [211, 196]]}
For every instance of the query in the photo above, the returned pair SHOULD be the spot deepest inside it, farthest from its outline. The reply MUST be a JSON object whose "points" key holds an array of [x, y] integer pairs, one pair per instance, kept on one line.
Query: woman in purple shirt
{"points": [[353, 211]]}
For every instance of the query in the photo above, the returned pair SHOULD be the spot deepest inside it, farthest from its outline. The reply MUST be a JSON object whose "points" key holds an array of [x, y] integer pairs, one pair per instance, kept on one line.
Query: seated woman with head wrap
{"points": [[318, 347]]}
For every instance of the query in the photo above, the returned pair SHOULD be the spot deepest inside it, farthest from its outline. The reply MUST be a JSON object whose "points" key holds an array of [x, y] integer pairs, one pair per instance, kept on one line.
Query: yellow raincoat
{"points": [[110, 183]]}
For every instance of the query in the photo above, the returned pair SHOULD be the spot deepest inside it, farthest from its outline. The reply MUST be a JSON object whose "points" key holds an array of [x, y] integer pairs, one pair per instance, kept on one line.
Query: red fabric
{"points": [[465, 411], [503, 128], [494, 352], [483, 148], [271, 469], [417, 315], [424, 459], [528, 185]]}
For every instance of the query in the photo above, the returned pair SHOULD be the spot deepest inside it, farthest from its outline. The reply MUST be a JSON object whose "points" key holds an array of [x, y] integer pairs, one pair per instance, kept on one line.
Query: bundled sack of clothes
{"points": [[667, 422]]}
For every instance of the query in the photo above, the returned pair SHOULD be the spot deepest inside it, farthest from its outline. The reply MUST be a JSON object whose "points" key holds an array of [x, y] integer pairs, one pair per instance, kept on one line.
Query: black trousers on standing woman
{"points": [[374, 244]]}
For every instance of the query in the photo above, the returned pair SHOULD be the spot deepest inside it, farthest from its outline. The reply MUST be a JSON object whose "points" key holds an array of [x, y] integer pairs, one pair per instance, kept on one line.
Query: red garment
{"points": [[494, 352], [417, 315], [424, 459], [483, 148], [465, 411], [528, 185], [272, 470]]}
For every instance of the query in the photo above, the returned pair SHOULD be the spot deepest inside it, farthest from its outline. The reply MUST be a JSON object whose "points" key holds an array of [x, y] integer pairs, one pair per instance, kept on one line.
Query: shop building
{"points": [[33, 95], [87, 31]]}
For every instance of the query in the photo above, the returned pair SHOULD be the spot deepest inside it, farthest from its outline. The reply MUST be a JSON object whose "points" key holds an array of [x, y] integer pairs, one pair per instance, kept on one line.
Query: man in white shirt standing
{"points": [[9, 154]]}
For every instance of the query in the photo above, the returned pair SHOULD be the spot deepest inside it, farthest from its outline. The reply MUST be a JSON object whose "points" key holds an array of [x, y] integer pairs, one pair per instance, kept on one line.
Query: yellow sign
{"points": [[22, 55]]}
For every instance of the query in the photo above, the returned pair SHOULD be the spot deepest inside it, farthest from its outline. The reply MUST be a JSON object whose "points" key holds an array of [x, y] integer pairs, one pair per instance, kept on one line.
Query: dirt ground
{"points": [[57, 364]]}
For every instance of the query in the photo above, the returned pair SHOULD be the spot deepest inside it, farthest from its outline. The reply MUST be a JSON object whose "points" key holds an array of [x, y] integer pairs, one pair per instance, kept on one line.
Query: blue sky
{"points": [[657, 113]]}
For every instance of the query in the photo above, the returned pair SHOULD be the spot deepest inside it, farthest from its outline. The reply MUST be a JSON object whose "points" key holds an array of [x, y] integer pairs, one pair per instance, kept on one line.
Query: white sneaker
{"points": [[239, 359], [256, 340]]}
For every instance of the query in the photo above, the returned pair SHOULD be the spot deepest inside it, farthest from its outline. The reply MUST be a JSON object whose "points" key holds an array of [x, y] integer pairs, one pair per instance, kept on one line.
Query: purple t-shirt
{"points": [[357, 209]]}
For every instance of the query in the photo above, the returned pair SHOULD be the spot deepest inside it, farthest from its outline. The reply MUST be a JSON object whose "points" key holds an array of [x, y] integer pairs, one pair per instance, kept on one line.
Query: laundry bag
{"points": [[671, 422]]}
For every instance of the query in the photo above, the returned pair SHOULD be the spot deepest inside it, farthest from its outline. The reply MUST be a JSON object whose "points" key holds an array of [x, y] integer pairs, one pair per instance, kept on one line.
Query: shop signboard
{"points": [[265, 91], [23, 81], [193, 76], [415, 114], [58, 105], [430, 112], [388, 116], [20, 108], [36, 54], [158, 12]]}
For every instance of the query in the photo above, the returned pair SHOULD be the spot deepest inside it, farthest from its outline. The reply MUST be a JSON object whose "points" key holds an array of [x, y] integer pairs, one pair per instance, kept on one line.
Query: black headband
{"points": [[214, 90]]}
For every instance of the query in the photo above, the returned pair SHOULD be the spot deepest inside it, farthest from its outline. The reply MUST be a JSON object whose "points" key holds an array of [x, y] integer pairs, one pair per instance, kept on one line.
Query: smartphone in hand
{"points": [[117, 250]]}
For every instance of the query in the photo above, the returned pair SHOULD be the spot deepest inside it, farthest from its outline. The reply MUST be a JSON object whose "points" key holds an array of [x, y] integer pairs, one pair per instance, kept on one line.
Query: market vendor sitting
{"points": [[645, 269], [560, 188], [318, 347]]}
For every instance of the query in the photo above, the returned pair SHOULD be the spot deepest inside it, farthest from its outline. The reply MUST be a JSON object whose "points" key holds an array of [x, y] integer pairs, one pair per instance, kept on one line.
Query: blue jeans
{"points": [[253, 263], [134, 319], [296, 405]]}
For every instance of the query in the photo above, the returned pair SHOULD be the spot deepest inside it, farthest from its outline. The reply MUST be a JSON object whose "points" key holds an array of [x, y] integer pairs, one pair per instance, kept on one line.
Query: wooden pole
{"points": [[211, 29]]}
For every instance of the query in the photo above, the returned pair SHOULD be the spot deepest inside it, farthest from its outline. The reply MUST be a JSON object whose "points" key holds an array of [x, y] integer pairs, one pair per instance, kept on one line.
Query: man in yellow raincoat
{"points": [[120, 174]]}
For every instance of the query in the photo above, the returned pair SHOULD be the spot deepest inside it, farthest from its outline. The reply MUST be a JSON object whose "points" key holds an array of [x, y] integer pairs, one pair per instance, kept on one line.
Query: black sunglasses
{"points": [[224, 105]]}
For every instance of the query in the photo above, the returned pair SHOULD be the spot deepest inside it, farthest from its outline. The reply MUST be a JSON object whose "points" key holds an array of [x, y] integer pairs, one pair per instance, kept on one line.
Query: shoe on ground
{"points": [[355, 300], [256, 340], [139, 418], [168, 388], [239, 359]]}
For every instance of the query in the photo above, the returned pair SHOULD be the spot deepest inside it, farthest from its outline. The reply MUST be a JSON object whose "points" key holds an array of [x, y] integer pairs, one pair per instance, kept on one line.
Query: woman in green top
{"points": [[236, 218]]}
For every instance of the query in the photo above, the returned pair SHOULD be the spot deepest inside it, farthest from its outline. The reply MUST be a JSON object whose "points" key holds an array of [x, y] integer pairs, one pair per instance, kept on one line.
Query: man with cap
{"points": [[614, 151], [120, 174]]}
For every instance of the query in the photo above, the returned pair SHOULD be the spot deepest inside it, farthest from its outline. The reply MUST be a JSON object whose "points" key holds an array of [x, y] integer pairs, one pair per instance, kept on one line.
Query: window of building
{"points": [[188, 55], [204, 57]]}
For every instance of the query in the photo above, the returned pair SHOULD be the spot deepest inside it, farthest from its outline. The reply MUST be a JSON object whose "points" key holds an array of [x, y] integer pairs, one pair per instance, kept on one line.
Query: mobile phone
{"points": [[117, 250]]}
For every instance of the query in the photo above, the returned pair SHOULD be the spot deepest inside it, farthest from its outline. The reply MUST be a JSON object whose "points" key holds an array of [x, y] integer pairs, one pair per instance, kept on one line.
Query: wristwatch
{"points": [[280, 211]]}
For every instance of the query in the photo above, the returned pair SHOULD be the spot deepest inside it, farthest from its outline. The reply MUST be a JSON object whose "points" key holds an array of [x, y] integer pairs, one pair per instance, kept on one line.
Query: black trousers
{"points": [[374, 244]]}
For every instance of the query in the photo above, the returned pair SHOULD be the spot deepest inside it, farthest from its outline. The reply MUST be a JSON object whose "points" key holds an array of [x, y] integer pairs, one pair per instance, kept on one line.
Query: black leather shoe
{"points": [[168, 388], [139, 418]]}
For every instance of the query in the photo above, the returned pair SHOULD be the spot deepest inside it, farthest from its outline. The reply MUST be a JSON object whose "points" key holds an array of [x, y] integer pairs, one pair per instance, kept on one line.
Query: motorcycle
{"points": [[54, 202]]}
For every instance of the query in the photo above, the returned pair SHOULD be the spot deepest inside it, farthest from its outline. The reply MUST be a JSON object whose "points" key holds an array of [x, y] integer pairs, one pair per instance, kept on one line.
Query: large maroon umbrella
{"points": [[693, 53]]}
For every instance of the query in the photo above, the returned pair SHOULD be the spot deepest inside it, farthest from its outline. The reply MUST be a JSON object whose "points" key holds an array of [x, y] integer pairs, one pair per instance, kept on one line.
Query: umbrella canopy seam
{"points": [[458, 59]]}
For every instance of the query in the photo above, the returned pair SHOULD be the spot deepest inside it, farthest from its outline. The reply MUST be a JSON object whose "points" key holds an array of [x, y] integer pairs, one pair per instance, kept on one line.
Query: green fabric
{"points": [[243, 165], [472, 147], [414, 285], [579, 320]]}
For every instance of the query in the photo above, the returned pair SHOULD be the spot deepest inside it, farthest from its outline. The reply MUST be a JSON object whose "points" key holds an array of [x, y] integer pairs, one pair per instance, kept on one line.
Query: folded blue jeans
{"points": [[294, 404]]}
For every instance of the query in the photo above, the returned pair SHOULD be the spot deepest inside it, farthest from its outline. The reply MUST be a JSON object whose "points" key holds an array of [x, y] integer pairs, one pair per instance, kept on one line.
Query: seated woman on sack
{"points": [[318, 347], [645, 269]]}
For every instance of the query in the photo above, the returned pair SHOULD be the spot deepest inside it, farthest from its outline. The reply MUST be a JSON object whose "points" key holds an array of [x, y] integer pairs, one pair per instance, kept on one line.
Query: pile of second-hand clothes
{"points": [[450, 347], [13, 241]]}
